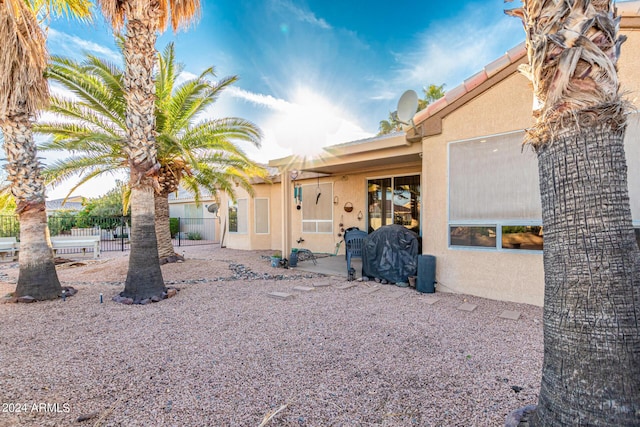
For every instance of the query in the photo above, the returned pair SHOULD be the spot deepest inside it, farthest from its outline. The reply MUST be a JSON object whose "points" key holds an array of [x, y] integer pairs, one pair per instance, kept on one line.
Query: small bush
{"points": [[194, 236], [174, 227]]}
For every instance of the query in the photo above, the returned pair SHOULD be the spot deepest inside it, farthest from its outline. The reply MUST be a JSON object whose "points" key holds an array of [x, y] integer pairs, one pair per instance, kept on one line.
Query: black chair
{"points": [[354, 242]]}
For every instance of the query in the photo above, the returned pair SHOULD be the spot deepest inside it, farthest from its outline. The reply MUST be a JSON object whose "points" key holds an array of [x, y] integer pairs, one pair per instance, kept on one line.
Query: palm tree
{"points": [[431, 93], [591, 368], [142, 20], [23, 91], [197, 154], [390, 125]]}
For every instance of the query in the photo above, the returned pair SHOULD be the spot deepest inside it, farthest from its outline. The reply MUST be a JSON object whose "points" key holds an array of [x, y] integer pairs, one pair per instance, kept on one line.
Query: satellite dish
{"points": [[407, 106], [213, 208]]}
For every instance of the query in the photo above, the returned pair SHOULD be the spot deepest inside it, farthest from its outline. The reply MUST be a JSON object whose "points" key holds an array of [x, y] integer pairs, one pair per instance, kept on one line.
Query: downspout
{"points": [[285, 244]]}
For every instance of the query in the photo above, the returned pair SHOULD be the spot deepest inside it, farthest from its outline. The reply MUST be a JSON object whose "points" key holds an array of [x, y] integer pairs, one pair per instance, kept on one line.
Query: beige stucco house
{"points": [[460, 179]]}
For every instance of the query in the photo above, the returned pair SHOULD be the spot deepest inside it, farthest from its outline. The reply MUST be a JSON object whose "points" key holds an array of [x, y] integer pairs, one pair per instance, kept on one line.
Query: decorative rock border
{"points": [[67, 291], [167, 293]]}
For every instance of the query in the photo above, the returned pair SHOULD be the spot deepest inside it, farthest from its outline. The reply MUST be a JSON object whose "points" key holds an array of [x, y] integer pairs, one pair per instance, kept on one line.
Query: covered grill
{"points": [[390, 253]]}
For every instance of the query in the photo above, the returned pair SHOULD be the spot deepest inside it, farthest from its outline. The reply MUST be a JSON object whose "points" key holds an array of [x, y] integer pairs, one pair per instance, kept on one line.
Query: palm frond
{"points": [[85, 166], [573, 48], [89, 88], [79, 113], [203, 154], [182, 12], [79, 9], [23, 59]]}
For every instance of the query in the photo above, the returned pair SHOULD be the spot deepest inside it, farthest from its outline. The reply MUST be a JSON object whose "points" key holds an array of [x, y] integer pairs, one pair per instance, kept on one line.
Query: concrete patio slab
{"points": [[510, 314], [280, 295], [304, 288], [467, 307], [431, 300]]}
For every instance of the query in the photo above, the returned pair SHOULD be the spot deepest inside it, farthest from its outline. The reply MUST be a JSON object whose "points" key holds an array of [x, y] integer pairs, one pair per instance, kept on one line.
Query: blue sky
{"points": [[316, 73]]}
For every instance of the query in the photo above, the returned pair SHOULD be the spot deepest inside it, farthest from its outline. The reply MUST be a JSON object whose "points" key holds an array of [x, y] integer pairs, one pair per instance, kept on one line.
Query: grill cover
{"points": [[390, 253]]}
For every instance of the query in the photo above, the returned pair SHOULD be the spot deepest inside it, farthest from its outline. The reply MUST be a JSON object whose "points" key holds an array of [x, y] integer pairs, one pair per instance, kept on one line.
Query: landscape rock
{"points": [[520, 417], [26, 299], [69, 290]]}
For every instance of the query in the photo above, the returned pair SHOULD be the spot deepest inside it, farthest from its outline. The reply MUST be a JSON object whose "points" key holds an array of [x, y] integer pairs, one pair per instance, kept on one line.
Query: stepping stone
{"points": [[346, 286], [304, 288], [397, 294], [430, 301], [280, 295], [322, 284], [372, 290], [467, 307], [509, 314]]}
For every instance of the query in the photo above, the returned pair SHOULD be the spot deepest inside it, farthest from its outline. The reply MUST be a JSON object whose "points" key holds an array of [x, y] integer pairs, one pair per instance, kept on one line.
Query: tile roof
{"points": [[512, 56]]}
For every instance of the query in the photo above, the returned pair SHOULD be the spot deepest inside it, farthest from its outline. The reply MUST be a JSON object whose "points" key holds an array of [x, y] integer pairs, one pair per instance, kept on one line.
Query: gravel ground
{"points": [[222, 353]]}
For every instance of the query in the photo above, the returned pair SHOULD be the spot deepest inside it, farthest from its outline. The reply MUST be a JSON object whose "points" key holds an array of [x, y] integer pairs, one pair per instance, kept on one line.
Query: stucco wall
{"points": [[498, 275], [347, 188], [629, 65], [506, 107], [251, 240]]}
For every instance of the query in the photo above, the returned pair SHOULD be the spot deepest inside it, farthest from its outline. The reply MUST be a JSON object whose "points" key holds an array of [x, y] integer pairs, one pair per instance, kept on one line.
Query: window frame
{"points": [[490, 222], [238, 217], [393, 178], [255, 215], [330, 221]]}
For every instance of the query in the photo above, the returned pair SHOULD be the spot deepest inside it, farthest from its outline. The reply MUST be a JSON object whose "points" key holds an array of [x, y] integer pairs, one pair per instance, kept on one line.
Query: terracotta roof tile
{"points": [[475, 80], [517, 52], [455, 93], [513, 55], [494, 67]]}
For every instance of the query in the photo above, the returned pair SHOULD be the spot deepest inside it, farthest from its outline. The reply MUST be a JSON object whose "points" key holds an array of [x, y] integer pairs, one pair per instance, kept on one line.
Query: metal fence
{"points": [[114, 231]]}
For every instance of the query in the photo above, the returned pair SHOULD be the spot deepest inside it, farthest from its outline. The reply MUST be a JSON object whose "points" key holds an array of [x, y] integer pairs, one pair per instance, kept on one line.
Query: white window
{"points": [[494, 197], [261, 215], [317, 208]]}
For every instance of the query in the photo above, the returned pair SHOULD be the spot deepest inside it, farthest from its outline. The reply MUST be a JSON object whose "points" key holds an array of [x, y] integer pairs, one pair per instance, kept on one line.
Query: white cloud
{"points": [[455, 50], [258, 98], [74, 45], [303, 15], [303, 125], [185, 76]]}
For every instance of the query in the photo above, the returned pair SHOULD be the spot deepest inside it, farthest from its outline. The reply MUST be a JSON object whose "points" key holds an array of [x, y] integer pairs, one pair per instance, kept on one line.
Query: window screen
{"points": [[242, 216], [317, 208], [261, 211], [493, 179]]}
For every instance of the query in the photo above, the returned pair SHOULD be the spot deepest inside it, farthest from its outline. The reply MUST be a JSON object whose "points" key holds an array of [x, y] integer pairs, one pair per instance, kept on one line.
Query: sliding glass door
{"points": [[394, 200]]}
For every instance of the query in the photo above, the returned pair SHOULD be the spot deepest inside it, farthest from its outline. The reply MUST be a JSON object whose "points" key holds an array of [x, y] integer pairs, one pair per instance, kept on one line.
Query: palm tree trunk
{"points": [[144, 277], [591, 370], [166, 252], [37, 276]]}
